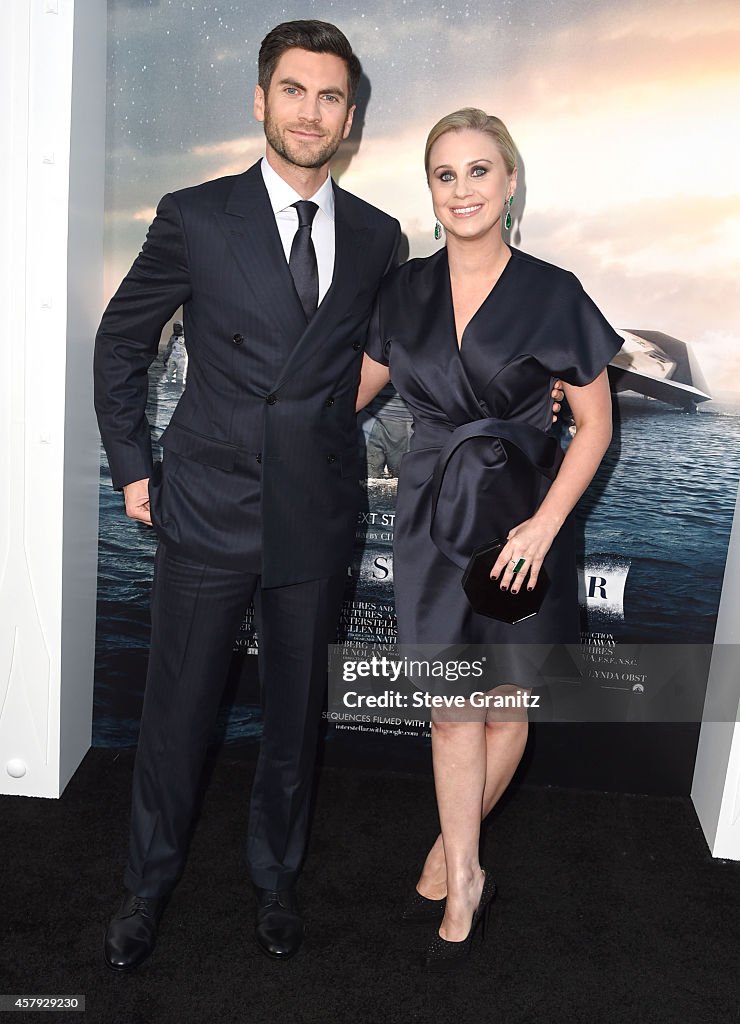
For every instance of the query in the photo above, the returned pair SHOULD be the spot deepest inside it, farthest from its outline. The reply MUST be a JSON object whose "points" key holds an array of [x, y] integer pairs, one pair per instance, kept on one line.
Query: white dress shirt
{"points": [[282, 196]]}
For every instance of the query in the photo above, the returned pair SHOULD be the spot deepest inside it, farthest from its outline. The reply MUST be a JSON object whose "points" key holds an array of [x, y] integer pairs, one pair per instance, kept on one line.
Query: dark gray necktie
{"points": [[302, 260]]}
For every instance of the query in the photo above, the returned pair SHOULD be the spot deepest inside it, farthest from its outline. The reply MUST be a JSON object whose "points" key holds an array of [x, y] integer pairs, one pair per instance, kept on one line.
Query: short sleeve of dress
{"points": [[582, 342], [376, 345]]}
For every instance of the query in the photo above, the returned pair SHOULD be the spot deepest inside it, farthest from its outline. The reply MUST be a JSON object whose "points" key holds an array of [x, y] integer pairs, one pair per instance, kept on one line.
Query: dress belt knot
{"points": [[542, 450]]}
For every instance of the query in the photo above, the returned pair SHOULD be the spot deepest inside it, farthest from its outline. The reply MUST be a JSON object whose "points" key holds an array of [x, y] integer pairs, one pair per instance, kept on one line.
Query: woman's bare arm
{"points": [[373, 378]]}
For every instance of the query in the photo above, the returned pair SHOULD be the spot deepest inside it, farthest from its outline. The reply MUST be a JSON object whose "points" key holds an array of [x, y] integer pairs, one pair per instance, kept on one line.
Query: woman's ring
{"points": [[516, 566]]}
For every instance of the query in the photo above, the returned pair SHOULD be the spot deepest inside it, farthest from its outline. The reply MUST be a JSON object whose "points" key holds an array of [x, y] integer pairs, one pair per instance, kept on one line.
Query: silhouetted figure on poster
{"points": [[175, 358], [388, 440]]}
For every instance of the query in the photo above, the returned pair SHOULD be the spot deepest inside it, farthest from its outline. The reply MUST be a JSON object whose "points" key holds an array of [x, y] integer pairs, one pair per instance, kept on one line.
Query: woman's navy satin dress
{"points": [[481, 458]]}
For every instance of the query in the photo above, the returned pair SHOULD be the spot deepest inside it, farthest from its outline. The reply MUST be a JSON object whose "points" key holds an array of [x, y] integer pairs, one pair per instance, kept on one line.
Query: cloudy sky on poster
{"points": [[623, 114]]}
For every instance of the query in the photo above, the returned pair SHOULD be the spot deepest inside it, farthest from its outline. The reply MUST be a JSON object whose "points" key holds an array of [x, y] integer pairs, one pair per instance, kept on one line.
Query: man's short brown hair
{"points": [[314, 36]]}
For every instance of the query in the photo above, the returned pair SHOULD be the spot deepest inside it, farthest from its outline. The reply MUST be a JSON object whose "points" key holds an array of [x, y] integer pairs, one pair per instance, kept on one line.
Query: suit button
{"points": [[329, 403], [259, 457], [331, 459], [356, 345], [238, 339], [271, 399]]}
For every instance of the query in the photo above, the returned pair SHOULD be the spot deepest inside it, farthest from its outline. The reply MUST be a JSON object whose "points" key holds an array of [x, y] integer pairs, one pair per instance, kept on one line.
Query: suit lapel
{"points": [[250, 229], [350, 240]]}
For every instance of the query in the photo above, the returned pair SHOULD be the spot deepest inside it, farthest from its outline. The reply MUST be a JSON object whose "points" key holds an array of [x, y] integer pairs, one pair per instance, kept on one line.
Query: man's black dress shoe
{"points": [[132, 932], [279, 929]]}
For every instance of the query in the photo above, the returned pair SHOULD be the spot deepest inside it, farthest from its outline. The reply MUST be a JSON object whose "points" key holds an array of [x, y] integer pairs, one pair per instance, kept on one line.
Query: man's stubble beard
{"points": [[294, 155]]}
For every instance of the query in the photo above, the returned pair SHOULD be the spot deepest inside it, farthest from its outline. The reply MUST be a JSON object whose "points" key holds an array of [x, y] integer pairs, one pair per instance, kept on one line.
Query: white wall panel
{"points": [[716, 786], [53, 129]]}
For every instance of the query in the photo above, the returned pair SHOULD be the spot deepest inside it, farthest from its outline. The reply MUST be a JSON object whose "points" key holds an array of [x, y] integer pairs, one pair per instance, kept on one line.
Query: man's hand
{"points": [[136, 496], [558, 395]]}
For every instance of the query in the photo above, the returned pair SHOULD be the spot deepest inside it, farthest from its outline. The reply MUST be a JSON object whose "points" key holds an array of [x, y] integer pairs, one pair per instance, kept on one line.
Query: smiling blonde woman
{"points": [[472, 338]]}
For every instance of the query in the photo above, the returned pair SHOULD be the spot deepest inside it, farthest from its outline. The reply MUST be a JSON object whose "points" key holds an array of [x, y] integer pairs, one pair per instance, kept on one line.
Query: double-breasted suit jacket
{"points": [[260, 469]]}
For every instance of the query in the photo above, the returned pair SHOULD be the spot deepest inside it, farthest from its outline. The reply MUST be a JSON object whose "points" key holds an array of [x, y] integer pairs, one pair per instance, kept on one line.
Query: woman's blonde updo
{"points": [[477, 121]]}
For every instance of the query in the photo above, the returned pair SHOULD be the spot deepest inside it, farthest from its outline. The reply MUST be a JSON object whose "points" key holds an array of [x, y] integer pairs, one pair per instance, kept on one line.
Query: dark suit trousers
{"points": [[196, 613]]}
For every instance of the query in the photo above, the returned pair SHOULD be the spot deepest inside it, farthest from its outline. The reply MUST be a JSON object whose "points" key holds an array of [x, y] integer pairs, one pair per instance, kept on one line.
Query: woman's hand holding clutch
{"points": [[527, 544], [522, 556]]}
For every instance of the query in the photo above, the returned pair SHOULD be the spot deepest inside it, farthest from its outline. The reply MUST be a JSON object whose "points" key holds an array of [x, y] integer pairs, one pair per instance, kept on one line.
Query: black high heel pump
{"points": [[421, 909], [446, 956]]}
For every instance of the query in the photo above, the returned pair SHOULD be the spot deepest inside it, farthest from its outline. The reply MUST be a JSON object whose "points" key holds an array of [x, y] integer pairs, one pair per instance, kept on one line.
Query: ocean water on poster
{"points": [[663, 499]]}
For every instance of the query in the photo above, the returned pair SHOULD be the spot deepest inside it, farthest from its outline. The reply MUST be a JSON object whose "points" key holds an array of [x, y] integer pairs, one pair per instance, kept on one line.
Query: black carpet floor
{"points": [[610, 909]]}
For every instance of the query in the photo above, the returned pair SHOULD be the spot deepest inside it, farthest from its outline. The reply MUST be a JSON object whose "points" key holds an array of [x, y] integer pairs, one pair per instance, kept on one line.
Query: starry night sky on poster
{"points": [[204, 55], [182, 73]]}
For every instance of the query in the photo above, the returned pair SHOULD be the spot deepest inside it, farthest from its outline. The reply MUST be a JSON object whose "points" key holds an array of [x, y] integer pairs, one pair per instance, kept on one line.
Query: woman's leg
{"points": [[459, 759], [505, 742]]}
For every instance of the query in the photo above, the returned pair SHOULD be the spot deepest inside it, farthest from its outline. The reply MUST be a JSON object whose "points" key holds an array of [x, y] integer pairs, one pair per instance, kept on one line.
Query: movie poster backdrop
{"points": [[610, 186]]}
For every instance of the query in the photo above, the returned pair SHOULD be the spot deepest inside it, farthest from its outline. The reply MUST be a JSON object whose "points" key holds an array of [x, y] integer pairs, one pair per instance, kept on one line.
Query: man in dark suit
{"points": [[276, 270]]}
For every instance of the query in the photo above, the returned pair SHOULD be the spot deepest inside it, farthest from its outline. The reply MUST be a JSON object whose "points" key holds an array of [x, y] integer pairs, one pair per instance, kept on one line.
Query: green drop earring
{"points": [[507, 207], [437, 231]]}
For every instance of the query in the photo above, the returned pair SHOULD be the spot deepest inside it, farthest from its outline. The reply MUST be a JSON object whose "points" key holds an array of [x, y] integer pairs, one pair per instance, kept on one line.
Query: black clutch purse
{"points": [[486, 596]]}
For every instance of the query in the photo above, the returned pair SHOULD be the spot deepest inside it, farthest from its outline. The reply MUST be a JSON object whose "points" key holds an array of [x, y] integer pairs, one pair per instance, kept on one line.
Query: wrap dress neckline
{"points": [[460, 340]]}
